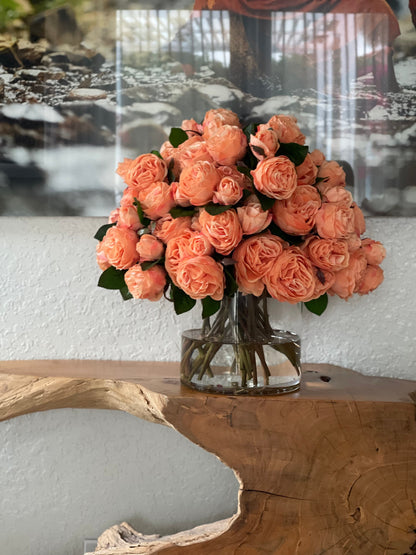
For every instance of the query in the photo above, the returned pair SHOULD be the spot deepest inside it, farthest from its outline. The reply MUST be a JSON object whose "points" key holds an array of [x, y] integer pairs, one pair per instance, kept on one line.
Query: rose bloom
{"points": [[307, 171], [252, 217], [372, 278], [168, 227], [192, 150], [327, 254], [102, 261], [157, 200], [374, 251], [334, 222], [129, 194], [169, 154], [144, 170], [296, 215], [201, 277], [332, 174], [359, 222], [119, 247], [254, 258], [318, 157], [186, 245], [149, 248], [227, 145], [266, 139], [197, 183], [216, 118], [146, 284], [113, 217], [353, 242], [228, 191], [324, 280], [291, 278], [275, 177], [232, 171], [287, 129], [347, 280], [191, 127], [223, 231], [128, 217], [338, 195]]}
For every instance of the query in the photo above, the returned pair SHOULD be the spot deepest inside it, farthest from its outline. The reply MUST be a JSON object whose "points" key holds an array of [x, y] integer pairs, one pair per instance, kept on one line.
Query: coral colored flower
{"points": [[372, 278], [232, 171], [227, 145], [252, 217], [146, 284], [307, 171], [353, 242], [197, 183], [275, 177], [119, 247], [216, 118], [145, 170], [332, 174], [167, 228], [113, 217], [347, 280], [149, 248], [324, 279], [254, 258], [327, 254], [186, 245], [191, 151], [296, 215], [338, 195], [318, 157], [264, 143], [291, 278], [359, 222], [374, 251], [129, 218], [157, 200], [228, 191], [102, 261], [334, 222], [287, 129], [191, 127], [201, 277], [223, 231]]}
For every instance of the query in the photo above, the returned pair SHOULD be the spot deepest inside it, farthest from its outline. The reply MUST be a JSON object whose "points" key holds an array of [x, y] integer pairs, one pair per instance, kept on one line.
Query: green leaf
{"points": [[156, 153], [215, 209], [258, 149], [250, 129], [177, 137], [125, 293], [209, 307], [151, 263], [102, 231], [245, 171], [171, 175], [318, 306], [143, 220], [296, 153], [181, 301], [265, 201], [180, 211], [112, 279], [291, 239], [231, 286]]}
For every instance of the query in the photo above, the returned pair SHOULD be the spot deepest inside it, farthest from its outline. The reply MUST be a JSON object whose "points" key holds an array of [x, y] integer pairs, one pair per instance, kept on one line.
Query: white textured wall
{"points": [[51, 308]]}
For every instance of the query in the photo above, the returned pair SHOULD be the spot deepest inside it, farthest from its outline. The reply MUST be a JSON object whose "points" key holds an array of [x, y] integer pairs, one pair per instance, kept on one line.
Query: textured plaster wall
{"points": [[60, 478]]}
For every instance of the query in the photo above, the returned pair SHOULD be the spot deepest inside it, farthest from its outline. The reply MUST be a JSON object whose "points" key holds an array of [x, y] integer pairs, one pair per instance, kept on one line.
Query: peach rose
{"points": [[145, 170], [252, 217], [324, 279], [296, 215], [188, 244], [372, 278], [275, 177], [327, 254], [157, 200], [338, 195], [129, 194], [167, 228], [232, 171], [171, 154], [201, 277], [102, 261], [332, 174], [353, 242], [359, 222], [227, 145], [149, 248], [119, 247], [254, 258], [223, 231], [287, 129], [197, 183], [146, 284], [334, 222], [374, 251], [307, 171], [318, 157], [266, 140], [191, 127], [216, 118], [291, 278], [129, 218], [192, 150], [113, 217], [347, 279], [228, 191]]}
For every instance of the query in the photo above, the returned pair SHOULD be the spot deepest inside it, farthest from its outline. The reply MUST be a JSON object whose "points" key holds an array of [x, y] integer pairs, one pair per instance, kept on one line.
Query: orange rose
{"points": [[307, 171], [353, 242], [222, 231], [266, 140], [129, 194], [338, 195], [119, 247], [113, 217], [296, 215], [334, 222], [145, 170], [254, 258], [324, 280], [214, 119], [231, 171], [171, 154], [275, 177], [192, 150], [286, 129], [252, 217], [332, 174], [291, 278], [327, 254], [359, 222], [129, 218], [228, 191], [191, 127], [227, 145], [157, 200], [347, 280], [318, 157], [149, 248], [188, 244], [167, 227], [201, 277], [197, 183], [148, 284], [374, 251], [372, 278], [102, 261]]}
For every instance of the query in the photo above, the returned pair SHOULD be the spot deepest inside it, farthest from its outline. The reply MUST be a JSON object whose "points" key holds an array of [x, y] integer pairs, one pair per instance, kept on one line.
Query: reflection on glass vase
{"points": [[238, 351]]}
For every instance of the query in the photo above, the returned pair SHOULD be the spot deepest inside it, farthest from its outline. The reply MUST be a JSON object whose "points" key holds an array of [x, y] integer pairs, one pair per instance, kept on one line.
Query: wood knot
{"points": [[356, 515], [325, 378]]}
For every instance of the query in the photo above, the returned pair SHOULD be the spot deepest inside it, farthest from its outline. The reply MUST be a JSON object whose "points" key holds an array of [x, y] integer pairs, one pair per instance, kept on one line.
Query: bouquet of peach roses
{"points": [[221, 208]]}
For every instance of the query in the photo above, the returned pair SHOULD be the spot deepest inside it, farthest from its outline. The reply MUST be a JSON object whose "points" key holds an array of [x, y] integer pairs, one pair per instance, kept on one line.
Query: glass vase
{"points": [[238, 351]]}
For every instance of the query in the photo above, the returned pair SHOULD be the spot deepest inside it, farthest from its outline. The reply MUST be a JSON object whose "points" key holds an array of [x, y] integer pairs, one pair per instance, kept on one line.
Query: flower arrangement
{"points": [[221, 208]]}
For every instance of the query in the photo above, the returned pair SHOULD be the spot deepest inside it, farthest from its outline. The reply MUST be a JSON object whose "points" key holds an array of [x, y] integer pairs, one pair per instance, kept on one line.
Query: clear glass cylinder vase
{"points": [[238, 351]]}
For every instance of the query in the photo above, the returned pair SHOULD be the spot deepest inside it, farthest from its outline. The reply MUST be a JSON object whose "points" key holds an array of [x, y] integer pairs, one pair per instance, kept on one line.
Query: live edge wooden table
{"points": [[330, 469]]}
